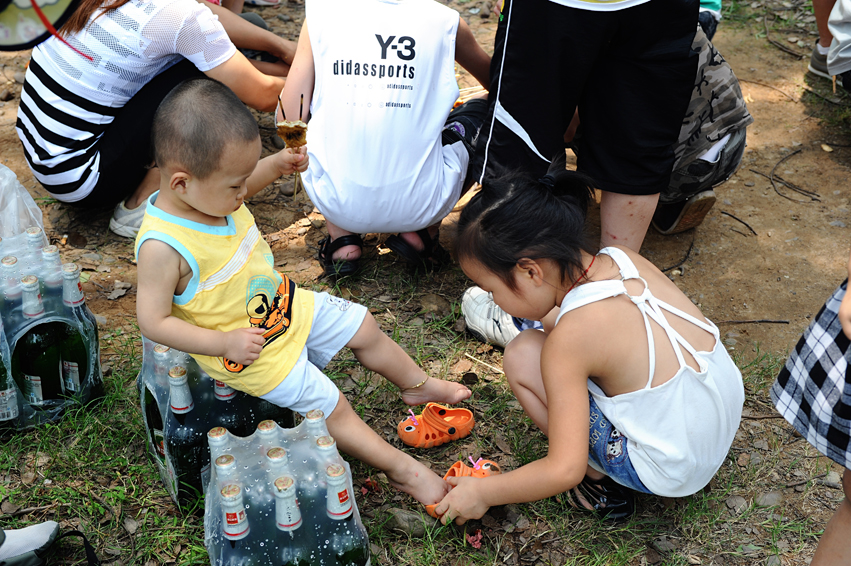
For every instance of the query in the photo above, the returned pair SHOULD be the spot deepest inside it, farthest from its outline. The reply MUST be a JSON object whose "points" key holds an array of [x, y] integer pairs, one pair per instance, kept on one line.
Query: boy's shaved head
{"points": [[194, 124]]}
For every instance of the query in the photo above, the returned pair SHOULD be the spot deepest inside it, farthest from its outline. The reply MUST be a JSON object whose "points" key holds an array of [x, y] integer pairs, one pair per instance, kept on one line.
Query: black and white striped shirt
{"points": [[68, 102]]}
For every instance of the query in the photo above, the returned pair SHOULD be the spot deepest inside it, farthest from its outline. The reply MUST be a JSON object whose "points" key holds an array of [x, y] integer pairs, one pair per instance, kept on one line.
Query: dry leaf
{"points": [[462, 366], [130, 525], [8, 507], [304, 265], [28, 478], [826, 148], [117, 293], [503, 445]]}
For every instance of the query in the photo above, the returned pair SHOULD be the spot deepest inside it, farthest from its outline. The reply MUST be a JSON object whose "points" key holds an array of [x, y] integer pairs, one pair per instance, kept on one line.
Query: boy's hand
{"points": [[289, 161], [243, 345], [463, 502]]}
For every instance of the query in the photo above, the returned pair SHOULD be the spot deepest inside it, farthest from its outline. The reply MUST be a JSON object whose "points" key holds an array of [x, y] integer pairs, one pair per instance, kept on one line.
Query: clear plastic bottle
{"points": [[10, 282], [35, 242], [326, 447], [348, 539], [52, 279], [80, 349], [315, 423]]}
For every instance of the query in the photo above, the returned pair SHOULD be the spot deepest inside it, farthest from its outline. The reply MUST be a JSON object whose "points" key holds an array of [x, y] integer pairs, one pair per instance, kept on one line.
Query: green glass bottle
{"points": [[80, 351], [36, 360], [348, 540], [9, 402]]}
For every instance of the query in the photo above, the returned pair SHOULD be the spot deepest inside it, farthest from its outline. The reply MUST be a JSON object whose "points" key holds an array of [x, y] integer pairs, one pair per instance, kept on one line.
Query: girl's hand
{"points": [[462, 503], [243, 345], [289, 161]]}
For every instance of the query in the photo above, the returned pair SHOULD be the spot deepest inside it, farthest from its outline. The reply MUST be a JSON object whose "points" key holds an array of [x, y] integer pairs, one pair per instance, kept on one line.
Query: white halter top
{"points": [[679, 432]]}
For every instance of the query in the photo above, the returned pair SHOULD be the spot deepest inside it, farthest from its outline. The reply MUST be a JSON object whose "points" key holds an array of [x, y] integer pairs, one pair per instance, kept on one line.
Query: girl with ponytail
{"points": [[629, 381]]}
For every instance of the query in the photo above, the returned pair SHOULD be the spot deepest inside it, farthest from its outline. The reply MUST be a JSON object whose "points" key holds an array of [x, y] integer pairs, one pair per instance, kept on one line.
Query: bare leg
{"points": [[355, 438], [624, 219], [522, 365], [414, 240], [378, 352], [833, 548], [149, 185], [346, 252], [821, 9]]}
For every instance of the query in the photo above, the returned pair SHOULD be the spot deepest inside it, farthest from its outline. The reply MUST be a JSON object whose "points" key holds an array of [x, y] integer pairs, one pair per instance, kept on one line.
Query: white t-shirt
{"points": [[68, 101], [385, 83]]}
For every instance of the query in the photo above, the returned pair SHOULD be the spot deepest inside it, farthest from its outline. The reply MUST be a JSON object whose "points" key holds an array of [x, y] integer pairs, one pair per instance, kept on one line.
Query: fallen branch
{"points": [[28, 510], [777, 44], [792, 186], [758, 321], [748, 226], [802, 482], [789, 96], [774, 184], [762, 417], [490, 367]]}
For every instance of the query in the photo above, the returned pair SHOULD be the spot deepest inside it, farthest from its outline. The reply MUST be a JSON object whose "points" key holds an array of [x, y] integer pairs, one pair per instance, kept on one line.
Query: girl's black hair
{"points": [[519, 216]]}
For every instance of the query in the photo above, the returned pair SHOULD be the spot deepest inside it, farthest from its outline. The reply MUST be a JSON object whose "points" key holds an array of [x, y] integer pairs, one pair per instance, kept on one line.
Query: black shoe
{"points": [[605, 497], [678, 217], [340, 267], [431, 258], [464, 123]]}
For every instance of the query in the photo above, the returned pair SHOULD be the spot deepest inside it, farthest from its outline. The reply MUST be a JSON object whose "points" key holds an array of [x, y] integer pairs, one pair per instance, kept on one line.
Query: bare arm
{"points": [[270, 168], [159, 271], [246, 35], [566, 461], [251, 86], [301, 79], [470, 55], [845, 308]]}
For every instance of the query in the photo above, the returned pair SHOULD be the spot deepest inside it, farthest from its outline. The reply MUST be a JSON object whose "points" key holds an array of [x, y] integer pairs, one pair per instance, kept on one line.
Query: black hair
{"points": [[194, 124], [519, 216]]}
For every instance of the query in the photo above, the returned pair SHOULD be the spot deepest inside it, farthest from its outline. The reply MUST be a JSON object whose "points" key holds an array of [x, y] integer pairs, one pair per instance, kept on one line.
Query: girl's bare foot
{"points": [[437, 391], [415, 479]]}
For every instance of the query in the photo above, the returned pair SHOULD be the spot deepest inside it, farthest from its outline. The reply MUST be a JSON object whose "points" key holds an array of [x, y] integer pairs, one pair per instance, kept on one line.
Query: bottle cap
{"points": [[159, 348], [276, 454], [324, 442], [70, 270], [231, 492], [50, 250], [33, 232], [314, 415], [29, 282], [9, 261], [225, 461], [265, 427], [177, 372], [217, 433], [284, 484], [335, 471]]}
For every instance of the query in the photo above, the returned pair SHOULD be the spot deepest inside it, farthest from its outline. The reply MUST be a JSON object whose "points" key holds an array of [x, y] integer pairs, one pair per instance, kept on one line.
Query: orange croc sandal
{"points": [[481, 469], [435, 426]]}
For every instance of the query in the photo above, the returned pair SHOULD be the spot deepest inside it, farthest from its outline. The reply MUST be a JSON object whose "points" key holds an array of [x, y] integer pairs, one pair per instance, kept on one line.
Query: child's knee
{"points": [[522, 354]]}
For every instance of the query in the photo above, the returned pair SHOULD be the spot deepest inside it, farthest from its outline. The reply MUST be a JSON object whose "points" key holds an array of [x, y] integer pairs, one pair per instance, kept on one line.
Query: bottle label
{"points": [[159, 443], [8, 404], [287, 514], [34, 395], [71, 376], [223, 392], [339, 503], [236, 523]]}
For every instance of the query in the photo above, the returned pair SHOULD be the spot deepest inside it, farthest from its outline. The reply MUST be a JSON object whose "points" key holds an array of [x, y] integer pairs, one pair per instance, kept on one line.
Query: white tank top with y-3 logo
{"points": [[385, 83]]}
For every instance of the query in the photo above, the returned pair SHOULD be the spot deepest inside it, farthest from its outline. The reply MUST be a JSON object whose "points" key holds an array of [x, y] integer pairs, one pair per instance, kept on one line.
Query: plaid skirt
{"points": [[812, 391]]}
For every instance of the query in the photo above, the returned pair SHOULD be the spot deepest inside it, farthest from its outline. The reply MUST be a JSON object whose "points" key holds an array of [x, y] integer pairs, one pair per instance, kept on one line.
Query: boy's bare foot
{"points": [[415, 479], [436, 391]]}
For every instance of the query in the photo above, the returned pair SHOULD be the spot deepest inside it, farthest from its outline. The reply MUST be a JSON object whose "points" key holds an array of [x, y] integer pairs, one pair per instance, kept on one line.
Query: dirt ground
{"points": [[761, 264]]}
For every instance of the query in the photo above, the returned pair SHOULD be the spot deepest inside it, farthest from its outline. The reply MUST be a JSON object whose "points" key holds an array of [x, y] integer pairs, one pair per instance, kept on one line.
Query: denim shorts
{"points": [[608, 449]]}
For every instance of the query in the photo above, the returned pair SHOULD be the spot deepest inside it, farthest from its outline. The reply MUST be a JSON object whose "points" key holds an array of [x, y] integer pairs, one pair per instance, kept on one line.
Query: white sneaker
{"points": [[127, 221], [485, 320]]}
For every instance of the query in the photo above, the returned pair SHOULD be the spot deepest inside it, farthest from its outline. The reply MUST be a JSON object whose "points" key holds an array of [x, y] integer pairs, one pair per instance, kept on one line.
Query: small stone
{"points": [[91, 257], [769, 499], [773, 560], [460, 325], [474, 11], [756, 459], [6, 95], [652, 556], [19, 77], [130, 525], [793, 39], [284, 17], [838, 224], [761, 444], [728, 202], [826, 148], [736, 504], [796, 143], [749, 183], [406, 521], [417, 322], [832, 477], [100, 319], [301, 231], [730, 341]]}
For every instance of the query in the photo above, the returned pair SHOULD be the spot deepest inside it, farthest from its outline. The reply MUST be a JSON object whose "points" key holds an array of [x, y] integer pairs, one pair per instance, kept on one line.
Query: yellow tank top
{"points": [[234, 285]]}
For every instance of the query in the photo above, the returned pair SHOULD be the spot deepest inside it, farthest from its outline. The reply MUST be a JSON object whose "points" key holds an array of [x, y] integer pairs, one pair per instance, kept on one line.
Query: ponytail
{"points": [[516, 216], [80, 18]]}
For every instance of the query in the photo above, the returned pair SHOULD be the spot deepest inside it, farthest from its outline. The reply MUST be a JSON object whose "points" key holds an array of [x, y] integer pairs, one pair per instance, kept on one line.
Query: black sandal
{"points": [[607, 498], [339, 267], [431, 258]]}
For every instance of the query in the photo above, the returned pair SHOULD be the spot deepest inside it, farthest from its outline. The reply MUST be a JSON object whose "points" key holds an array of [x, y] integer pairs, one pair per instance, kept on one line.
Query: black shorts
{"points": [[631, 73], [125, 146]]}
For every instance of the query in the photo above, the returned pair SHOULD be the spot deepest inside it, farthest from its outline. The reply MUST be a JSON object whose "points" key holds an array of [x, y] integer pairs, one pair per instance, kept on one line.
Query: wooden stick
{"points": [[301, 107], [789, 96], [682, 261], [490, 367], [281, 106]]}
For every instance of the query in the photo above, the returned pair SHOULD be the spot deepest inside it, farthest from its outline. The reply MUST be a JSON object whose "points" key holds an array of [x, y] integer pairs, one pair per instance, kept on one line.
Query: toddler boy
{"points": [[207, 285]]}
